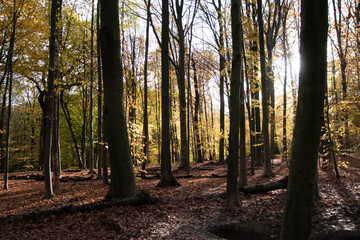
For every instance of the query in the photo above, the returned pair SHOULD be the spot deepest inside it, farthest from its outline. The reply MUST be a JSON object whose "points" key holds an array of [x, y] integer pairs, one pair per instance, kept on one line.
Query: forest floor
{"points": [[195, 210]]}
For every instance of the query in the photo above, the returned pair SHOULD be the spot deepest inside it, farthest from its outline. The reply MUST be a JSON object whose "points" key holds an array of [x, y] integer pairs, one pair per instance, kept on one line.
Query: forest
{"points": [[179, 119]]}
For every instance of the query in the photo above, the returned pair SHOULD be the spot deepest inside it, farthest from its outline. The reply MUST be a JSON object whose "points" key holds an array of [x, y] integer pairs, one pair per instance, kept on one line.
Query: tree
{"points": [[177, 11], [146, 118], [219, 36], [196, 123], [232, 199], [64, 105], [296, 222], [91, 148], [285, 86], [264, 96], [54, 74], [276, 11], [10, 83], [100, 145], [284, 90], [122, 174], [251, 31], [242, 120], [166, 178], [342, 52]]}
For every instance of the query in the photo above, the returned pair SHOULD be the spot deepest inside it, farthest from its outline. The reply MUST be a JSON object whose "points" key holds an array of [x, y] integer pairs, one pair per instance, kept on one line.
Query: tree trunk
{"points": [[199, 157], [264, 92], [166, 178], [10, 76], [122, 183], [273, 25], [242, 142], [222, 81], [105, 149], [296, 222], [91, 127], [146, 118], [42, 102], [178, 14], [343, 64], [72, 133], [54, 74], [232, 198], [55, 148], [255, 90], [284, 91], [100, 145]]}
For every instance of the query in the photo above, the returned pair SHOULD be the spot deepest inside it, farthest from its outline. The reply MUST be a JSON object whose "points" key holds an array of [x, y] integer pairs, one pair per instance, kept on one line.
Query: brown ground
{"points": [[191, 211]]}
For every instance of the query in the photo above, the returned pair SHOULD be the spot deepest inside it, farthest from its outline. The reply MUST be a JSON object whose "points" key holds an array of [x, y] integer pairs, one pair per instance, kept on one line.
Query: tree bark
{"points": [[91, 118], [167, 179], [180, 70], [54, 74], [232, 198], [266, 187], [146, 118], [10, 80], [199, 157], [284, 90], [101, 144], [242, 120], [296, 222], [122, 183], [72, 133], [55, 148], [264, 92], [343, 64]]}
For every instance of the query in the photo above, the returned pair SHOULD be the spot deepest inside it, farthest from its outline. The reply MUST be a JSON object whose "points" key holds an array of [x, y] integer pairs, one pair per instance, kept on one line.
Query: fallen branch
{"points": [[72, 170], [157, 176], [266, 187], [76, 178], [40, 177], [140, 199], [218, 176]]}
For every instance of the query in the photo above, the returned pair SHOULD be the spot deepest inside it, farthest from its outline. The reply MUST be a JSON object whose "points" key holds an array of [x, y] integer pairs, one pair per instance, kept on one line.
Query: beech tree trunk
{"points": [[232, 196], [242, 120], [222, 82], [284, 90], [55, 148], [54, 74], [10, 81], [146, 118], [296, 222], [178, 6], [122, 183], [337, 5], [264, 99], [199, 157], [166, 179], [100, 145], [67, 116], [91, 127]]}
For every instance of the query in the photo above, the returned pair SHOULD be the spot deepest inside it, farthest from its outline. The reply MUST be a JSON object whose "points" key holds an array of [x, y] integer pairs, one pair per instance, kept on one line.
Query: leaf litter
{"points": [[195, 210]]}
